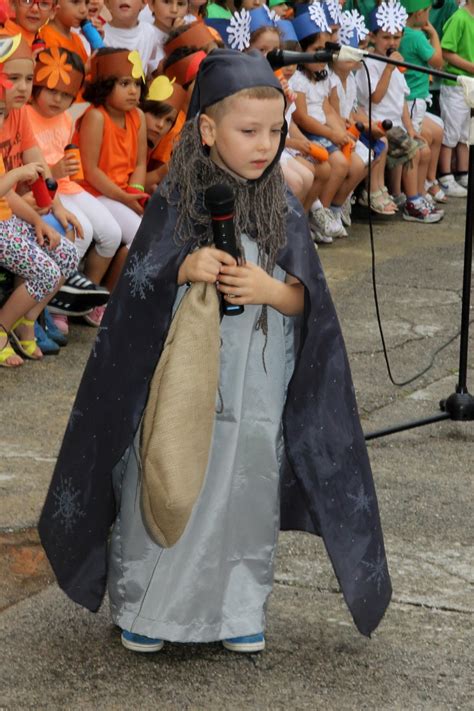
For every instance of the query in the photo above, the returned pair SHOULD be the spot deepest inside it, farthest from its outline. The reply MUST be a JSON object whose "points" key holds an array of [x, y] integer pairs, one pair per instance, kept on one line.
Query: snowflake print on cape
{"points": [[361, 501], [239, 30], [317, 15], [68, 509], [75, 415], [293, 210], [391, 16], [378, 570], [97, 339], [140, 270], [351, 21], [334, 10]]}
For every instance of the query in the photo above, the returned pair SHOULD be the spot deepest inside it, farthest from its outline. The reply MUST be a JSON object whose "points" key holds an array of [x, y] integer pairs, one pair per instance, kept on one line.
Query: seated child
{"points": [[29, 18], [163, 103], [275, 390], [457, 45], [53, 94], [420, 45], [408, 155], [112, 142], [124, 30]]}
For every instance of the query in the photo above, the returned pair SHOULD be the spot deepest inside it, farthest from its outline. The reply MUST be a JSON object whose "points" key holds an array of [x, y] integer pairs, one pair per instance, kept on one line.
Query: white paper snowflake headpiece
{"points": [[332, 10], [238, 30], [352, 23], [316, 13], [391, 16]]}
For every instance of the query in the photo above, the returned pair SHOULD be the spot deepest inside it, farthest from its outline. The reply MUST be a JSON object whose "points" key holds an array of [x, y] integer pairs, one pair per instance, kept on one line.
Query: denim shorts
{"points": [[323, 141]]}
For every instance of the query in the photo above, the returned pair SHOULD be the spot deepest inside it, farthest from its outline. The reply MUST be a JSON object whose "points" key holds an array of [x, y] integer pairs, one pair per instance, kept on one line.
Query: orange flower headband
{"points": [[185, 70], [170, 92], [53, 71], [117, 64], [197, 35]]}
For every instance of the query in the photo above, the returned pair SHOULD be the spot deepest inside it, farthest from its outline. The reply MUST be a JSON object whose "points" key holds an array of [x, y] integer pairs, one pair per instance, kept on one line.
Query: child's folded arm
{"points": [[456, 61], [384, 81], [436, 60]]}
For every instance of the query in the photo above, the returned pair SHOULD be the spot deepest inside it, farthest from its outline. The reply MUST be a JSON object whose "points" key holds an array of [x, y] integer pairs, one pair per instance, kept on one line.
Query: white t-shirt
{"points": [[142, 37], [315, 92], [391, 106], [146, 15], [347, 96], [160, 40]]}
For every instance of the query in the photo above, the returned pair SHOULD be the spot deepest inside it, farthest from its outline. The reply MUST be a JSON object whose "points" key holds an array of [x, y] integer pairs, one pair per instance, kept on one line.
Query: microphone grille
{"points": [[219, 199]]}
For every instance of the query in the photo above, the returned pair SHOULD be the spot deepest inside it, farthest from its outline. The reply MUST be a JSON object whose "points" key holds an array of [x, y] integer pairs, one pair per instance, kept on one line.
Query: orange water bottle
{"points": [[72, 150]]}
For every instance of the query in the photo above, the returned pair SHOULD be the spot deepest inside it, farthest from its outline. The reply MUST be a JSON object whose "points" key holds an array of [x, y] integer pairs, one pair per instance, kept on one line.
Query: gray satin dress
{"points": [[215, 582]]}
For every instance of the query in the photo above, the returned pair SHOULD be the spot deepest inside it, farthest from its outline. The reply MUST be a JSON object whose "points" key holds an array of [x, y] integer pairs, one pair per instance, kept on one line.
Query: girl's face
{"points": [[95, 8], [383, 41], [266, 41], [20, 73], [159, 126], [70, 13], [125, 95], [166, 12], [33, 14], [50, 102], [246, 138], [319, 43]]}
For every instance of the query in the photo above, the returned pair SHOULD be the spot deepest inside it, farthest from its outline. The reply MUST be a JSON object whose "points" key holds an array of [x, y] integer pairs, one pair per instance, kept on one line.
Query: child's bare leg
{"points": [[462, 158], [339, 170], [424, 161], [444, 163], [321, 173], [299, 178], [377, 172], [96, 265], [395, 180], [410, 176], [433, 134], [113, 273], [357, 171]]}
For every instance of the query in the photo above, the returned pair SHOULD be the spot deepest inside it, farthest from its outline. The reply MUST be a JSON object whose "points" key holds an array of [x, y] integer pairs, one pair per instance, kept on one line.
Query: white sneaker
{"points": [[463, 180], [346, 212], [321, 226], [451, 188], [341, 230]]}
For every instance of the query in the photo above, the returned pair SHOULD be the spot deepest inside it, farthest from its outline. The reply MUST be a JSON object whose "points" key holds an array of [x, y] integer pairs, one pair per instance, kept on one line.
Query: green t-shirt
{"points": [[438, 18], [416, 48], [458, 37], [217, 12]]}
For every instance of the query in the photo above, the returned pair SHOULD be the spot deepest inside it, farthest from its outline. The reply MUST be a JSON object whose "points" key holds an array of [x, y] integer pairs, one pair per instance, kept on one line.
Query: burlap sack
{"points": [[179, 416]]}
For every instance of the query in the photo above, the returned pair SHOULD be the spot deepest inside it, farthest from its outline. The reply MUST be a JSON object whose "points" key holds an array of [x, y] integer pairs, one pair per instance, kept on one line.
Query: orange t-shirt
{"points": [[54, 38], [16, 136], [164, 149], [11, 28], [5, 210], [119, 148], [53, 134]]}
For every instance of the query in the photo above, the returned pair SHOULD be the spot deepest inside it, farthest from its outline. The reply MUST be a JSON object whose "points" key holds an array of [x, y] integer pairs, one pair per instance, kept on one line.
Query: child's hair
{"points": [[157, 108], [306, 41], [312, 76], [71, 58], [220, 108], [178, 54], [96, 92], [261, 31]]}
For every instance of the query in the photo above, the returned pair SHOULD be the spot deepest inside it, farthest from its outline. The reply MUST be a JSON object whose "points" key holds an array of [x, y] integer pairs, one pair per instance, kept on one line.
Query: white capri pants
{"points": [[418, 110], [128, 220], [97, 222], [456, 115]]}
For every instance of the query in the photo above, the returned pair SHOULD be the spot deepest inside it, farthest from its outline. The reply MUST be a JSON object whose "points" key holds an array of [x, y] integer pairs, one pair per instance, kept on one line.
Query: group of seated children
{"points": [[101, 123]]}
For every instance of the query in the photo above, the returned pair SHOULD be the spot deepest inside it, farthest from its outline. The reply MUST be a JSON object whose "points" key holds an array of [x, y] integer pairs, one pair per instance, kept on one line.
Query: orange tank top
{"points": [[119, 149]]}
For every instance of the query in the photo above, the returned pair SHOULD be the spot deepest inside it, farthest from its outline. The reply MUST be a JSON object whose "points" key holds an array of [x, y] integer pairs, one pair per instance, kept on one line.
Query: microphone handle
{"points": [[224, 239], [282, 58]]}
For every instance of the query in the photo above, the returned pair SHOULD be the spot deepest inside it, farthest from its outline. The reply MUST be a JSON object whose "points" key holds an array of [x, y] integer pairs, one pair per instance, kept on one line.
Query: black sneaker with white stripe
{"points": [[78, 296]]}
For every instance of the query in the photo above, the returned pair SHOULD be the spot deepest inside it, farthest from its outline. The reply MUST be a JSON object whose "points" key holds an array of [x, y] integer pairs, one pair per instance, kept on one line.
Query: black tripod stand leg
{"points": [[407, 426]]}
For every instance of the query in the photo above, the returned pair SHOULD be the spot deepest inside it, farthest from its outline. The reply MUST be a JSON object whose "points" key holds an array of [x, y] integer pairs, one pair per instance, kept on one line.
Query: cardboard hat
{"points": [[262, 17], [287, 31], [415, 5], [311, 22], [117, 64], [14, 47], [390, 16], [168, 91], [353, 28], [197, 34], [235, 32], [54, 70], [332, 12], [186, 69]]}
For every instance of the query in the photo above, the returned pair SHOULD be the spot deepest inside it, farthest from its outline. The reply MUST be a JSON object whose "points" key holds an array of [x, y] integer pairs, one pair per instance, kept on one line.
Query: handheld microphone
{"points": [[283, 58], [389, 52], [219, 200]]}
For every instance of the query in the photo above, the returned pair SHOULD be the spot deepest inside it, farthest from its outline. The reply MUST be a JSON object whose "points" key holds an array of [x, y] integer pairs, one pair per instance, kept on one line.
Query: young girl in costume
{"points": [[214, 583], [112, 141], [58, 78], [30, 249]]}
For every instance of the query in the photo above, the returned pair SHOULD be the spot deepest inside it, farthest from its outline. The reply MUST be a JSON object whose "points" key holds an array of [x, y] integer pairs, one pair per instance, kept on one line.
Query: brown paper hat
{"points": [[15, 48], [186, 69], [122, 63], [196, 35], [170, 92], [54, 71]]}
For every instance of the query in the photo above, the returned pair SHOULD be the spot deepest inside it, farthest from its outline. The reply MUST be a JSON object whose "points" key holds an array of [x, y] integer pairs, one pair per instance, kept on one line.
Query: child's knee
{"points": [[339, 164], [323, 170], [109, 243]]}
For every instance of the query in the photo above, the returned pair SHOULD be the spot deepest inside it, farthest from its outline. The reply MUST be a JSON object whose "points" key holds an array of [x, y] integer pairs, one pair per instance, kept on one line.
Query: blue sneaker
{"points": [[250, 643], [47, 345], [140, 643], [53, 331]]}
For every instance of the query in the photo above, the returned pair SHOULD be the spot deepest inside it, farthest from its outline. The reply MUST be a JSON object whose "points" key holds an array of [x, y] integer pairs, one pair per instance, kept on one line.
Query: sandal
{"points": [[389, 201], [27, 348], [378, 204], [436, 192], [7, 352]]}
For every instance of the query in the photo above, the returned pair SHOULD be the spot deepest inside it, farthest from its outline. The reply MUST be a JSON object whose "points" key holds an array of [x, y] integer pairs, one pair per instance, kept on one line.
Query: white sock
{"points": [[317, 204]]}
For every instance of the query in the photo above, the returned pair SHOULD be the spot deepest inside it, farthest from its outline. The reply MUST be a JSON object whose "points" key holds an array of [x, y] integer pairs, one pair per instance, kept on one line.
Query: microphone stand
{"points": [[459, 406]]}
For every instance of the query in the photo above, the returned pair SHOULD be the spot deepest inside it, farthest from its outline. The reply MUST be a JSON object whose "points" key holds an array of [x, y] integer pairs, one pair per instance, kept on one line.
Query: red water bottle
{"points": [[41, 193], [384, 125]]}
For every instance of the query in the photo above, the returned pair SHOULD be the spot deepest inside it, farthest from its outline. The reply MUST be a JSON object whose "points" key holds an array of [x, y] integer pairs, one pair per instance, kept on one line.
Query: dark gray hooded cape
{"points": [[327, 486]]}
